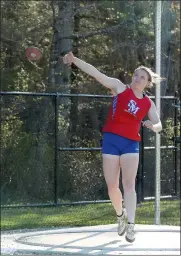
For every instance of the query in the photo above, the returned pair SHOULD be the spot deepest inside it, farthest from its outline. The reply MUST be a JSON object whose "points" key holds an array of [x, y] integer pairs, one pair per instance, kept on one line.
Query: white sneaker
{"points": [[121, 224], [130, 233]]}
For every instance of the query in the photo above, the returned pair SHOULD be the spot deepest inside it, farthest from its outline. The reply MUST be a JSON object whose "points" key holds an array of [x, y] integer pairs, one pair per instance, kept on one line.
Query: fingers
{"points": [[65, 60], [68, 58], [148, 124]]}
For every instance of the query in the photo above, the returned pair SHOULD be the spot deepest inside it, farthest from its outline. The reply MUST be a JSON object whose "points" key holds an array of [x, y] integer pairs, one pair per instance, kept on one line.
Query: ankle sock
{"points": [[120, 215]]}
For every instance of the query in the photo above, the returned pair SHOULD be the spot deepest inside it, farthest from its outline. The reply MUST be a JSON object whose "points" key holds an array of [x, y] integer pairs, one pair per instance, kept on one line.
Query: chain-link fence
{"points": [[51, 152]]}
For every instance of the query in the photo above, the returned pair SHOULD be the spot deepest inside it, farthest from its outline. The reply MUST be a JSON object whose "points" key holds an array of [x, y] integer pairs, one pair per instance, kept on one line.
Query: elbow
{"points": [[159, 128]]}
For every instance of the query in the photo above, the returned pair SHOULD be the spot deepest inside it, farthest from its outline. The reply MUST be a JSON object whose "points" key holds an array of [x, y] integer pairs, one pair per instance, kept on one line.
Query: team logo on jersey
{"points": [[133, 109]]}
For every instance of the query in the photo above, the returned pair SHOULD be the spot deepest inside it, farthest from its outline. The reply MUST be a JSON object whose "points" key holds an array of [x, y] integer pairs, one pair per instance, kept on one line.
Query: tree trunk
{"points": [[58, 81], [62, 27], [165, 47]]}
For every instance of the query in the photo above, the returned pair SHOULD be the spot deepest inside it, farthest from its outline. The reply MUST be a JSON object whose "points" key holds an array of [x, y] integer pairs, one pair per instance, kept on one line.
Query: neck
{"points": [[138, 93]]}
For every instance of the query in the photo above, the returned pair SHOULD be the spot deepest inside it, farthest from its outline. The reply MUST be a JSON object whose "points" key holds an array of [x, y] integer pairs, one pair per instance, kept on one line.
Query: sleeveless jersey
{"points": [[126, 114]]}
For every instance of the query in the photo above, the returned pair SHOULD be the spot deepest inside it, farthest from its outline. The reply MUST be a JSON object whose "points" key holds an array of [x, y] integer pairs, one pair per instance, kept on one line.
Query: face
{"points": [[140, 80]]}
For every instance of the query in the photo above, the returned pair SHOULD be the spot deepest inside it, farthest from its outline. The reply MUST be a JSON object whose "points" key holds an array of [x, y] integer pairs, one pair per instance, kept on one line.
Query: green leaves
{"points": [[113, 36]]}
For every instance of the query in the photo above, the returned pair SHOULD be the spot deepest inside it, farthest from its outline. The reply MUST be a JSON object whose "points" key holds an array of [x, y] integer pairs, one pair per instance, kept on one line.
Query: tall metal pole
{"points": [[157, 98]]}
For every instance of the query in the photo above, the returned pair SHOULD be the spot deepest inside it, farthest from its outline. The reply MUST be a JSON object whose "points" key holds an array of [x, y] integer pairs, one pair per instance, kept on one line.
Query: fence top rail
{"points": [[57, 94]]}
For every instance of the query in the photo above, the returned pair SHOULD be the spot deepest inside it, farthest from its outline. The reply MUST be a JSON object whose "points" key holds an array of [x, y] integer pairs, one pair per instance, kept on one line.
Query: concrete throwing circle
{"points": [[102, 240]]}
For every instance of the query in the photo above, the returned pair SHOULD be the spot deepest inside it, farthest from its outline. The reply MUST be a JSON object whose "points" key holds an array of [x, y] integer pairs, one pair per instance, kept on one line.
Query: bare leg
{"points": [[111, 168], [129, 164]]}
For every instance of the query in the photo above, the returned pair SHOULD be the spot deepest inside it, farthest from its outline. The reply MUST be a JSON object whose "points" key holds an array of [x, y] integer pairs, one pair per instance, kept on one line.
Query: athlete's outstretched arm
{"points": [[109, 82], [154, 123]]}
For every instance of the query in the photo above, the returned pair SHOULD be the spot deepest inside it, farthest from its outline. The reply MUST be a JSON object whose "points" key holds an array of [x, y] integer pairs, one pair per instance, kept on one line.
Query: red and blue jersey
{"points": [[126, 114]]}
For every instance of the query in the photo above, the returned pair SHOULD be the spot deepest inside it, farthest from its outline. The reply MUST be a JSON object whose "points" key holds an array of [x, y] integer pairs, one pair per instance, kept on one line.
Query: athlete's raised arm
{"points": [[112, 83]]}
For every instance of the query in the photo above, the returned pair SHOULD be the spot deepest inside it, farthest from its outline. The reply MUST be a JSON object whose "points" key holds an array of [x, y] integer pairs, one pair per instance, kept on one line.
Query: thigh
{"points": [[111, 169], [109, 144], [129, 166]]}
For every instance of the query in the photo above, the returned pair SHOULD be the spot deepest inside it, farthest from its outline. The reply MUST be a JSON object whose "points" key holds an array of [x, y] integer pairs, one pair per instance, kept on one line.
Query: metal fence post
{"points": [[56, 151], [175, 140], [142, 165]]}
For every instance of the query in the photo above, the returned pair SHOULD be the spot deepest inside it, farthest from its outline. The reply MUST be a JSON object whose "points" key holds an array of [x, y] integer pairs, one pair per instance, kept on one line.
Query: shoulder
{"points": [[147, 101], [152, 106], [123, 90], [151, 101]]}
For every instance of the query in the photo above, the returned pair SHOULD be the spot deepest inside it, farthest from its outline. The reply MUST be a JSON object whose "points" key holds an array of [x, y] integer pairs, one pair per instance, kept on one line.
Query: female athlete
{"points": [[121, 136]]}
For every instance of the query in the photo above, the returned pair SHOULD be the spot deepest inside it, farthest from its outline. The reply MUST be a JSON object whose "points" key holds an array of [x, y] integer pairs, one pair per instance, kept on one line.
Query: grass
{"points": [[84, 215]]}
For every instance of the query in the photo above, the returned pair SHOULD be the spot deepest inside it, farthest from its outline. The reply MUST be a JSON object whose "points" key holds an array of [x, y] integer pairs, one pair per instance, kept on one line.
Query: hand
{"points": [[68, 58], [148, 124]]}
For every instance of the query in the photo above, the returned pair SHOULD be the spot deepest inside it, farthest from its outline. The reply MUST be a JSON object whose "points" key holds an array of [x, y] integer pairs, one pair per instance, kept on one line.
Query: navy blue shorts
{"points": [[114, 144]]}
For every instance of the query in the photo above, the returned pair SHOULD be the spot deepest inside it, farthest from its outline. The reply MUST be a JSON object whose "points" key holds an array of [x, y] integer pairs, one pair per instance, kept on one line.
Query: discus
{"points": [[33, 53]]}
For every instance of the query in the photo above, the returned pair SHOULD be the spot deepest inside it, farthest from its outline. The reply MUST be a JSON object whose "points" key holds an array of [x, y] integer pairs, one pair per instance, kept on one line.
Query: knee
{"points": [[112, 187], [128, 185]]}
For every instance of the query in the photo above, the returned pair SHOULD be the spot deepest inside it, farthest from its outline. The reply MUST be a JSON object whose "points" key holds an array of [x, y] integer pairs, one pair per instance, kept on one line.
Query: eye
{"points": [[143, 77]]}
